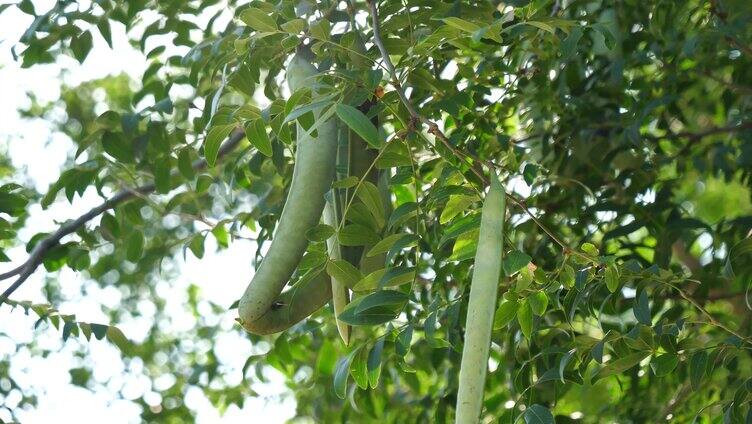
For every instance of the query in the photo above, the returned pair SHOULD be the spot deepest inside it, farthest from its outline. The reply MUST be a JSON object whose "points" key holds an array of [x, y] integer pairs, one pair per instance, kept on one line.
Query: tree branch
{"points": [[434, 129], [37, 254]]}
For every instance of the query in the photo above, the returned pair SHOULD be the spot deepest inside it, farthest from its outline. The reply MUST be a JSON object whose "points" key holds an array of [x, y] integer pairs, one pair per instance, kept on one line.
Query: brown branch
{"points": [[37, 254], [712, 131]]}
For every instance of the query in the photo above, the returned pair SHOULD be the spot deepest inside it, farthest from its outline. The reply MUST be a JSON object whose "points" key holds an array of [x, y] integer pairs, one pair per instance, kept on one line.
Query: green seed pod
{"points": [[315, 159], [292, 306], [481, 306]]}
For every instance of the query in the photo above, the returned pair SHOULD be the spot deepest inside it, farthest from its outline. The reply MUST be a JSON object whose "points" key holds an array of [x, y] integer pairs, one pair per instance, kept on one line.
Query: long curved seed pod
{"points": [[311, 179], [292, 306], [481, 305], [340, 295]]}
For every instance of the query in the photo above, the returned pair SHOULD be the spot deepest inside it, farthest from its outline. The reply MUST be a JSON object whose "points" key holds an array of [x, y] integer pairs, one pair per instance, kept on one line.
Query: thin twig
{"points": [[434, 129], [415, 117], [40, 249]]}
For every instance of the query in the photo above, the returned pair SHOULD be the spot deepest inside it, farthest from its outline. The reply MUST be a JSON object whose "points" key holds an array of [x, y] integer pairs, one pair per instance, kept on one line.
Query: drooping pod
{"points": [[312, 177], [292, 306], [481, 305]]}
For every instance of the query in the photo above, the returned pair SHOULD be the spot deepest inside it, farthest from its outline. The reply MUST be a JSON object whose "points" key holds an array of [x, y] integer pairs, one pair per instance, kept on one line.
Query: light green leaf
{"points": [[369, 194], [258, 20], [612, 278], [385, 244], [214, 139], [134, 246], [525, 318], [538, 302], [255, 132], [320, 232], [343, 271], [461, 24], [515, 261], [505, 313], [359, 123]]}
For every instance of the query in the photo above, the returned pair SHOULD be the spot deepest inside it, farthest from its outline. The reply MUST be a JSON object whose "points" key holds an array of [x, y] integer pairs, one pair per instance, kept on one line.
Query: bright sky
{"points": [[221, 276]]}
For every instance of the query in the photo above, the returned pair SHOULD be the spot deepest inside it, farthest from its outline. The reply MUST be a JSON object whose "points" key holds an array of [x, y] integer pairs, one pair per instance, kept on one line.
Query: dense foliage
{"points": [[622, 131]]}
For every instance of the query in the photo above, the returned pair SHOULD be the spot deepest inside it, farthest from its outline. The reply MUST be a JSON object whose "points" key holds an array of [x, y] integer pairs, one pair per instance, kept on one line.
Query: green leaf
{"points": [[68, 328], [343, 271], [515, 261], [109, 120], [213, 141], [185, 164], [313, 259], [621, 364], [359, 123], [104, 29], [319, 233], [381, 298], [542, 25], [197, 245], [567, 276], [116, 146], [258, 20], [461, 24], [454, 206], [359, 369], [369, 194], [538, 414], [402, 212], [341, 372], [99, 330], [371, 316], [569, 45], [81, 46], [134, 246], [374, 363], [294, 26], [404, 338], [505, 313], [590, 249], [697, 365], [641, 308], [404, 242], [117, 337], [255, 132], [357, 235], [612, 278], [664, 364], [348, 182], [538, 302], [384, 245], [525, 318], [465, 246], [382, 278]]}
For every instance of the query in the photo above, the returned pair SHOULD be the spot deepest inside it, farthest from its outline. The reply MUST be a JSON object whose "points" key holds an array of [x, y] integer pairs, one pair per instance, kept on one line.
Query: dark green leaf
{"points": [[514, 261], [538, 414], [641, 308]]}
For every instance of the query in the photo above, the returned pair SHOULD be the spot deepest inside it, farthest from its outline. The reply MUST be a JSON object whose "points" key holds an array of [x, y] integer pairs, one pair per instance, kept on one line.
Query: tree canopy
{"points": [[621, 131]]}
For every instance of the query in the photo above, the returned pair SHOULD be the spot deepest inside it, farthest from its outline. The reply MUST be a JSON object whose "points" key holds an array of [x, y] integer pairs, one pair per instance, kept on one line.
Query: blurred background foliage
{"points": [[624, 128]]}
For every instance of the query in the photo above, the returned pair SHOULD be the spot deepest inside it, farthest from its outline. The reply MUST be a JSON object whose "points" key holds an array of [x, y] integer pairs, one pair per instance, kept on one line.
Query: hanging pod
{"points": [[312, 177]]}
